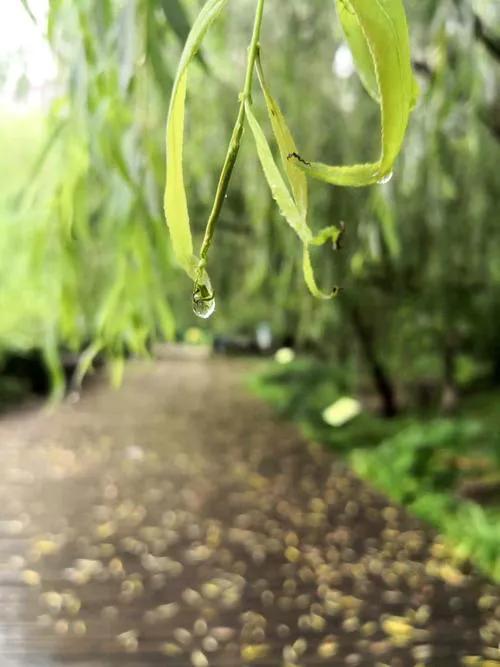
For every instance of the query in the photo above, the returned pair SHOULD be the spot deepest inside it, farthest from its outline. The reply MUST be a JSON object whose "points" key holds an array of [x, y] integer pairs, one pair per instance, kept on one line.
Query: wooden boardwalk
{"points": [[177, 522]]}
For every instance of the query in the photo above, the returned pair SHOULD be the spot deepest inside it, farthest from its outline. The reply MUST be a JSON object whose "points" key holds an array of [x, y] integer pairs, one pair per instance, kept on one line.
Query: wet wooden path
{"points": [[177, 522]]}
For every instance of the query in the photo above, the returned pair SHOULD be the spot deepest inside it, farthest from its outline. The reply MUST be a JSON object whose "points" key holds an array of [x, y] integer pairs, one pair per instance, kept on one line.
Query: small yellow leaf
{"points": [[253, 652], [31, 578], [292, 554], [398, 628]]}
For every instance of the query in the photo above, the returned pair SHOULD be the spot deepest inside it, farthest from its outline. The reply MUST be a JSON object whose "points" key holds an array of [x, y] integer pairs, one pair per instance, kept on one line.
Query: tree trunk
{"points": [[495, 373], [381, 380], [449, 396]]}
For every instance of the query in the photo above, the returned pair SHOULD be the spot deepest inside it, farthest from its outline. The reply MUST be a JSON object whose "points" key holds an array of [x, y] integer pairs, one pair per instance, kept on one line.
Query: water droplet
{"points": [[204, 309], [203, 301], [385, 179]]}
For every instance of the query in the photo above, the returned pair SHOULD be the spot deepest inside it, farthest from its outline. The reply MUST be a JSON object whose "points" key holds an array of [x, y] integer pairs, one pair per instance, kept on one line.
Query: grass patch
{"points": [[444, 470]]}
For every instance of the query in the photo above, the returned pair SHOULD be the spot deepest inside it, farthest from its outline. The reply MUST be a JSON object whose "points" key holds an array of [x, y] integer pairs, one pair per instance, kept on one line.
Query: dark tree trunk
{"points": [[449, 396], [381, 380], [495, 374]]}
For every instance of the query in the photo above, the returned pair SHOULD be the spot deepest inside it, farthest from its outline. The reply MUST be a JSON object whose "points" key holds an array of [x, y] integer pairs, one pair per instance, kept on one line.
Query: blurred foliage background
{"points": [[85, 261], [85, 264]]}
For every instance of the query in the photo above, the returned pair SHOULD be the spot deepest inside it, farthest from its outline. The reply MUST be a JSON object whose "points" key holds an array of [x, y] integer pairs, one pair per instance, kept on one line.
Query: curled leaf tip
{"points": [[337, 243], [310, 279], [333, 234]]}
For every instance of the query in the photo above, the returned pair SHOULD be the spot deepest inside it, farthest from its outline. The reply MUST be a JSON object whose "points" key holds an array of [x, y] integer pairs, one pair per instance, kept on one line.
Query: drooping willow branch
{"points": [[234, 145], [377, 33]]}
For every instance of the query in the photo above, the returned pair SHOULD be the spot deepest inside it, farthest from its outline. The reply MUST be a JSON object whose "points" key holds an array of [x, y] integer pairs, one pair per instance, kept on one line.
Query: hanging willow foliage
{"points": [[89, 253], [377, 34]]}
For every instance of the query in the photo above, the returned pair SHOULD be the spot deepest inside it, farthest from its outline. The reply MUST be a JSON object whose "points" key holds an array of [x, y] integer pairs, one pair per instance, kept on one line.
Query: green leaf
{"points": [[41, 159], [332, 234], [359, 48], [310, 280], [155, 52], [28, 9], [52, 361], [116, 366], [85, 361], [286, 144], [279, 190], [176, 18], [289, 207], [376, 30], [383, 210], [175, 202]]}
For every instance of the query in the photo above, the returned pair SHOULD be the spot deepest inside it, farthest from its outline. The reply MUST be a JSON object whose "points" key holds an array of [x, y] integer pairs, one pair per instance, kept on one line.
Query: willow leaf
{"points": [[175, 202], [28, 9], [176, 18], [286, 145], [289, 208], [332, 234], [281, 194], [382, 26], [310, 280], [85, 361], [359, 49]]}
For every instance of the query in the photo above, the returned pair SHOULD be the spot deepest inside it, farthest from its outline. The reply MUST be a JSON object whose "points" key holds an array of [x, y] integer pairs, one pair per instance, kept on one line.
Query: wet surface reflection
{"points": [[178, 522]]}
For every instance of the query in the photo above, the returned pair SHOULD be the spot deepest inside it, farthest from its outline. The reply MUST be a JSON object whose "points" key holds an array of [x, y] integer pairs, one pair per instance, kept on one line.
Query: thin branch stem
{"points": [[234, 145]]}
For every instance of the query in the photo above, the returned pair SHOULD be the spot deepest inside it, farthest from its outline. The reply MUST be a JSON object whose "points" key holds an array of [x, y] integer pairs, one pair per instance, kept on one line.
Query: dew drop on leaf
{"points": [[204, 309], [386, 179], [203, 301]]}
